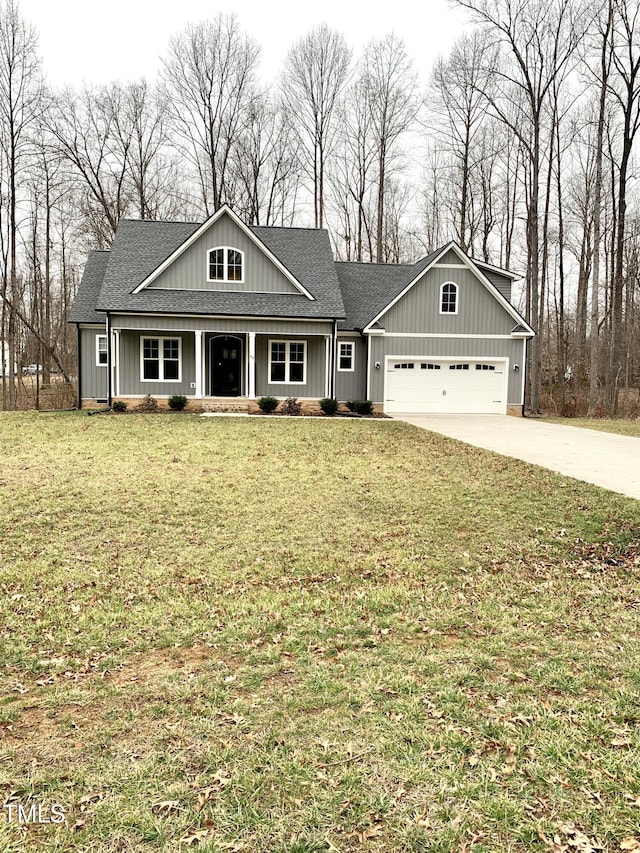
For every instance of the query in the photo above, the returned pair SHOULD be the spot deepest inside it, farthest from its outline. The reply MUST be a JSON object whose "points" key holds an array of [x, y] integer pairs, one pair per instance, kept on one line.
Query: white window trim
{"points": [[287, 362], [457, 287], [161, 340], [105, 351], [225, 279], [352, 345]]}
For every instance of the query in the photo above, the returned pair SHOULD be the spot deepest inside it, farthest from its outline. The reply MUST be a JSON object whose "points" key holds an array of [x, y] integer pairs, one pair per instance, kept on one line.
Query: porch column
{"points": [[115, 360], [327, 365], [198, 356], [252, 366]]}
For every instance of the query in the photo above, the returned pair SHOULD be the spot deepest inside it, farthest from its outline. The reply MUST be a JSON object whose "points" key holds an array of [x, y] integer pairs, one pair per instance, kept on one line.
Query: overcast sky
{"points": [[123, 39]]}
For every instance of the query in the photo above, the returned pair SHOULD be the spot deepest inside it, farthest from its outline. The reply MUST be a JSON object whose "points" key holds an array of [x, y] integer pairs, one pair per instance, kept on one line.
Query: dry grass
{"points": [[274, 635], [620, 426]]}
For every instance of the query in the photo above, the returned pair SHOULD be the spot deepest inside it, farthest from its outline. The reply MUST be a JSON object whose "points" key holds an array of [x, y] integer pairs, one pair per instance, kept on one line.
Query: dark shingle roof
{"points": [[84, 305], [140, 247], [368, 288]]}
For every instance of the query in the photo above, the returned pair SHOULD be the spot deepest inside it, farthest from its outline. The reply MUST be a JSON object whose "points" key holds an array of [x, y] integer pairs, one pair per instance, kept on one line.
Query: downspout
{"points": [[524, 367], [109, 365]]}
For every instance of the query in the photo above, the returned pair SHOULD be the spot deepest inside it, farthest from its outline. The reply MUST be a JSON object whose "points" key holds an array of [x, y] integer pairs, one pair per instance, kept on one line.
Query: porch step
{"points": [[231, 406]]}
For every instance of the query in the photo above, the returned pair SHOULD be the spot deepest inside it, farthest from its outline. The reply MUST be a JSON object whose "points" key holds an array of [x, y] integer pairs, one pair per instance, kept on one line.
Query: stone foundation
{"points": [[514, 411]]}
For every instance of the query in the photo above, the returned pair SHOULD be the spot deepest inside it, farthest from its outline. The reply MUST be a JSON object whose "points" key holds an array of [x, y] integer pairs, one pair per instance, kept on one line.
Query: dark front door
{"points": [[226, 366]]}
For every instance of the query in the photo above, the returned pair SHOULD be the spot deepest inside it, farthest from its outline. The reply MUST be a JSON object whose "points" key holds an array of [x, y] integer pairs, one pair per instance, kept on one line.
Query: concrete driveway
{"points": [[607, 460]]}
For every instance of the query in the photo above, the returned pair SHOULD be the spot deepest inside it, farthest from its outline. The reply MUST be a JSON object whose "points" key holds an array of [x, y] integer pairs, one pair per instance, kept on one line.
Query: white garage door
{"points": [[457, 386]]}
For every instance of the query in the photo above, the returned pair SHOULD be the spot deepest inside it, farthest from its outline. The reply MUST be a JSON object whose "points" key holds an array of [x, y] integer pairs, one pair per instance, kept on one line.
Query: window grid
{"points": [[287, 362], [160, 360], [449, 298], [225, 264], [345, 356], [102, 355]]}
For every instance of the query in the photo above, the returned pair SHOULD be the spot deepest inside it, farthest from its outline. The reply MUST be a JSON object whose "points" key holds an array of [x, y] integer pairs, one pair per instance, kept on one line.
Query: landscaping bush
{"points": [[329, 406], [363, 407], [177, 402], [267, 404], [291, 406], [147, 404], [351, 405], [119, 406]]}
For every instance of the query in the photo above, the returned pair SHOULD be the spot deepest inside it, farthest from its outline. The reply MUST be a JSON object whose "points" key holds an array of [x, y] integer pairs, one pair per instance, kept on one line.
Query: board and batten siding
{"points": [[463, 348], [130, 366], [418, 311], [352, 386], [93, 378], [500, 282], [221, 325], [190, 270], [314, 386]]}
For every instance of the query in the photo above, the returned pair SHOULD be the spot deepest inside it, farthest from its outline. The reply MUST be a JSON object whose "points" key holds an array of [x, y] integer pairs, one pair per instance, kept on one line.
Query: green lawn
{"points": [[620, 426], [306, 635]]}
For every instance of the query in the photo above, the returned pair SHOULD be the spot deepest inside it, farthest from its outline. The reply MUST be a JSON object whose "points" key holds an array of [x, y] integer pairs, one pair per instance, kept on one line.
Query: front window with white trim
{"points": [[224, 264], [287, 362], [160, 359], [449, 298], [345, 356], [102, 354]]}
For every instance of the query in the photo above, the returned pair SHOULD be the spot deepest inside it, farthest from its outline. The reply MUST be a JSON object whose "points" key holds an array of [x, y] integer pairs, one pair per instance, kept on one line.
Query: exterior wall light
{"points": [[516, 368]]}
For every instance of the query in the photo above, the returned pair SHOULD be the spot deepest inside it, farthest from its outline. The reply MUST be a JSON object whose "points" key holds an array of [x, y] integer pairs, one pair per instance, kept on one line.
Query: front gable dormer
{"points": [[224, 255]]}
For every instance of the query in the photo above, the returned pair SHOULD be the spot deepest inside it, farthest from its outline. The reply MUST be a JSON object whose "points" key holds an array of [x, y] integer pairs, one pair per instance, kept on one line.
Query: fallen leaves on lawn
{"points": [[630, 844], [202, 835], [89, 799], [220, 781], [570, 839], [164, 807]]}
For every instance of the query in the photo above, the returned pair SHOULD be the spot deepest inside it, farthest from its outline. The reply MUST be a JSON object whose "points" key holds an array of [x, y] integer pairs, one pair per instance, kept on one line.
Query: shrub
{"points": [[351, 405], [291, 406], [177, 402], [119, 406], [267, 404], [147, 404], [329, 406], [363, 407]]}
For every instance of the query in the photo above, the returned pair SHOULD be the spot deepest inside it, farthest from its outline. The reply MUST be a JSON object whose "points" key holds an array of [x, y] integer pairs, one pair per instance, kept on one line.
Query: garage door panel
{"points": [[453, 386]]}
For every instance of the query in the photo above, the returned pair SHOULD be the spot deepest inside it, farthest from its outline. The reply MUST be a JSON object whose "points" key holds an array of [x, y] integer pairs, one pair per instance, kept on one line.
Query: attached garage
{"points": [[445, 386]]}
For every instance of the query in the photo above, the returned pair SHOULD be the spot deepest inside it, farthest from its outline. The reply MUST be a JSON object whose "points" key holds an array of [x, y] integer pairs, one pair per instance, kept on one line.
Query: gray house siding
{"points": [[190, 270], [514, 350], [418, 310], [352, 386], [314, 386], [501, 282], [93, 378], [221, 324], [130, 367]]}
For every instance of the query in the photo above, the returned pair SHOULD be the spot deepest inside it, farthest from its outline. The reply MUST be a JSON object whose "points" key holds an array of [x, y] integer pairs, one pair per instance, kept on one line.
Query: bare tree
{"points": [[540, 38], [209, 76], [389, 83], [20, 105], [315, 73]]}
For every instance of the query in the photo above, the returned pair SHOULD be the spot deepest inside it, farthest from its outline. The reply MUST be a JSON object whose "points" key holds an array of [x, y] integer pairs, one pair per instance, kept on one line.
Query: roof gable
{"points": [[444, 257], [186, 267]]}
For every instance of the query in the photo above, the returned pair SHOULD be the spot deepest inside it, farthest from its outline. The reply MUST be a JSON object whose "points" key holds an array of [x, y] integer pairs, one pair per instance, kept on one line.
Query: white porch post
{"points": [[327, 365], [199, 363], [115, 360], [252, 366]]}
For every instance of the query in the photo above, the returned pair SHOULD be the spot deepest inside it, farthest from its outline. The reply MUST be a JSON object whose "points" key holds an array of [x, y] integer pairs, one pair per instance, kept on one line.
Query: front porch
{"points": [[218, 367]]}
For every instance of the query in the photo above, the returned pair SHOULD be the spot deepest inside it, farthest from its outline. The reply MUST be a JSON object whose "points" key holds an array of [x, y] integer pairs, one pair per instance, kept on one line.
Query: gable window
{"points": [[345, 356], [160, 359], [287, 362], [224, 264], [102, 355], [449, 298]]}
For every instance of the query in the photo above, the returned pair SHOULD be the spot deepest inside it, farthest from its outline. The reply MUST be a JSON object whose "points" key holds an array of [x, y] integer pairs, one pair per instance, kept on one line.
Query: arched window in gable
{"points": [[449, 298], [225, 263]]}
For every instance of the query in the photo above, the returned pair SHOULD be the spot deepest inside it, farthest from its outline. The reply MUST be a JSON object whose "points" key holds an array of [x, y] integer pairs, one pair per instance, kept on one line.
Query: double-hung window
{"points": [[102, 355], [224, 264], [160, 359], [287, 362], [345, 356]]}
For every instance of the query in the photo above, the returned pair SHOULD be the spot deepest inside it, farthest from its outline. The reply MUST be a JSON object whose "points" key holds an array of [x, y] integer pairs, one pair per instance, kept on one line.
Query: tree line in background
{"points": [[522, 147]]}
